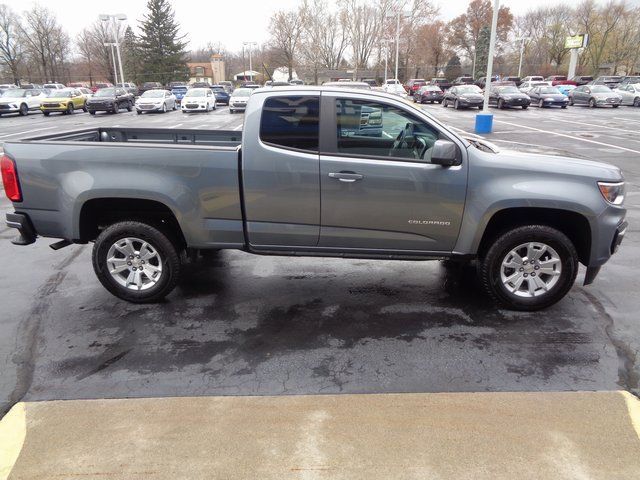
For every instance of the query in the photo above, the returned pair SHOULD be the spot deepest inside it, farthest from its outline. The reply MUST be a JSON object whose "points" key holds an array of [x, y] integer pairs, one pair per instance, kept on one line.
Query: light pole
{"points": [[386, 43], [113, 56], [113, 19], [250, 44], [522, 41], [492, 46], [397, 15]]}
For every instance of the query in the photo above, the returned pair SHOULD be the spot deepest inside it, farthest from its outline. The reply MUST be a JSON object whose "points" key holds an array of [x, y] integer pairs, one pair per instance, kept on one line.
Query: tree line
{"points": [[322, 35], [358, 34], [34, 46]]}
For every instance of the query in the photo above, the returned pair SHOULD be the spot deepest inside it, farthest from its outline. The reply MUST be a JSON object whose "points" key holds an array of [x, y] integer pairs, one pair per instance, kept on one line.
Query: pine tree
{"points": [[162, 48], [453, 69], [131, 56]]}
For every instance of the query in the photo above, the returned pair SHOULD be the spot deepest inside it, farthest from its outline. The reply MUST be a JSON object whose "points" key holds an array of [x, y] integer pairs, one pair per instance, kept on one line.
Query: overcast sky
{"points": [[246, 20]]}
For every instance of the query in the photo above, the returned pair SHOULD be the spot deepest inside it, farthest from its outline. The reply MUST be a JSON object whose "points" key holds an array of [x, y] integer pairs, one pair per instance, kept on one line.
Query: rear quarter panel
{"points": [[198, 184]]}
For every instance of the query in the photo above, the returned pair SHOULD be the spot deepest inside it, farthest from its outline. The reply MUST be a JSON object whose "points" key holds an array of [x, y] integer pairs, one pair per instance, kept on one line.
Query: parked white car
{"points": [[53, 86], [21, 100], [7, 86], [525, 87], [630, 94], [85, 92], [198, 100], [155, 101], [394, 86], [238, 99]]}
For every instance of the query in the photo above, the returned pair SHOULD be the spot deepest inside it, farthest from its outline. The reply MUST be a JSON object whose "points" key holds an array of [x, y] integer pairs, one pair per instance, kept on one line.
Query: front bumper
{"points": [[59, 108], [148, 108], [238, 106], [100, 108], [516, 102], [192, 107], [9, 109], [618, 237], [26, 232]]}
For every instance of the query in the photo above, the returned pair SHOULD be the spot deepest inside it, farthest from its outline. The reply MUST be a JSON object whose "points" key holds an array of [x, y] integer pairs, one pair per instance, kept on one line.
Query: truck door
{"points": [[280, 171], [378, 189]]}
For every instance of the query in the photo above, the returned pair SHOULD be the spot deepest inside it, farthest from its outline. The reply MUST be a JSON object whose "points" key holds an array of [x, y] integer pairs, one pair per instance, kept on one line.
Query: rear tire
{"points": [[636, 102], [165, 251], [556, 255]]}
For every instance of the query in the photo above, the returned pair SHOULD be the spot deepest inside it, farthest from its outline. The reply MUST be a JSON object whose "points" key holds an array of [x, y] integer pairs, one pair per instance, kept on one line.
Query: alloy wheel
{"points": [[134, 264], [531, 269]]}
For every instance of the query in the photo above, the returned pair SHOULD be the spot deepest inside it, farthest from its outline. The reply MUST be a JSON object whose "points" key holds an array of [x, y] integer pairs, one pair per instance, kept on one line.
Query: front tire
{"points": [[24, 110], [529, 268], [592, 103], [501, 104], [136, 262]]}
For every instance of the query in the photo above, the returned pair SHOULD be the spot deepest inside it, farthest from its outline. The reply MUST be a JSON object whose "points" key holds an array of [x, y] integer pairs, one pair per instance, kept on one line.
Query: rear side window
{"points": [[291, 122]]}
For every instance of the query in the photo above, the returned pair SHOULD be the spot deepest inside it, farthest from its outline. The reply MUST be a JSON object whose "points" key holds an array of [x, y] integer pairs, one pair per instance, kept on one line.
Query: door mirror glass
{"points": [[443, 152]]}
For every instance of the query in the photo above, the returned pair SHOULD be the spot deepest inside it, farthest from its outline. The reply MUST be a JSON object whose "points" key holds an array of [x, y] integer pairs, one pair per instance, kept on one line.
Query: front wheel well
{"points": [[574, 225], [99, 213]]}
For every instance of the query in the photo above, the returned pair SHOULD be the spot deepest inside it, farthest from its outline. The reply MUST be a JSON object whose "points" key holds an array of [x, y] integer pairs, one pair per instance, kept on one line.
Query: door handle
{"points": [[346, 176]]}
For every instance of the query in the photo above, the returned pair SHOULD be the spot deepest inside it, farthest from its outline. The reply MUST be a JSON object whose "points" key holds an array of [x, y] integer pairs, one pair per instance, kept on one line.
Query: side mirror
{"points": [[444, 152]]}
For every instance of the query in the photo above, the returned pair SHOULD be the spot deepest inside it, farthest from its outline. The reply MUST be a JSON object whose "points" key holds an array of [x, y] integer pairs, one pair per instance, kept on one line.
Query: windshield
{"points": [[218, 89], [600, 89], [15, 93], [105, 92], [242, 92], [64, 92], [549, 90], [153, 94], [508, 90], [469, 89], [196, 92], [179, 89]]}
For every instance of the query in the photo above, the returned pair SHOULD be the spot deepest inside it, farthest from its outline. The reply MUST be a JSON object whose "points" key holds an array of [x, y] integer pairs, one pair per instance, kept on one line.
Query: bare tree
{"points": [[11, 52], [324, 40], [286, 34], [600, 23]]}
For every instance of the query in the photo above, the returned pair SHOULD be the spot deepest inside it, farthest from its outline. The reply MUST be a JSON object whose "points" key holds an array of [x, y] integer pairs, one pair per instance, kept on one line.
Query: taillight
{"points": [[10, 179]]}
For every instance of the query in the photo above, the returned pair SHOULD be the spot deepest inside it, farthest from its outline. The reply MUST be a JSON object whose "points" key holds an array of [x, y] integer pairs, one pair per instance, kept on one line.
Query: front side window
{"points": [[291, 122], [367, 128]]}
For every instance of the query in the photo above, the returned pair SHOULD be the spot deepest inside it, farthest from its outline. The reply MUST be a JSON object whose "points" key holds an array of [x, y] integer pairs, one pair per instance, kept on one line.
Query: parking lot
{"points": [[249, 325]]}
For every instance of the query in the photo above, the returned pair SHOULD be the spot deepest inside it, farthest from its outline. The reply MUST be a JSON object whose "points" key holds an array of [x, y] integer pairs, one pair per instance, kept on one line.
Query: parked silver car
{"points": [[594, 96], [630, 94], [156, 101]]}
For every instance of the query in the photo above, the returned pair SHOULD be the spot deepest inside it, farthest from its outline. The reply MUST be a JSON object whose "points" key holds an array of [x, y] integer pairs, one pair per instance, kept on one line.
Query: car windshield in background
{"points": [[507, 89], [196, 92], [469, 89], [217, 89], [153, 94], [242, 92], [600, 89], [14, 93], [105, 92], [62, 93], [549, 90], [611, 79]]}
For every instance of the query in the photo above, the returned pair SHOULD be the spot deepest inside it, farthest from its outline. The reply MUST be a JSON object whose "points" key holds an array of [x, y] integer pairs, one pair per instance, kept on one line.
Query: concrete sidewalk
{"points": [[582, 435]]}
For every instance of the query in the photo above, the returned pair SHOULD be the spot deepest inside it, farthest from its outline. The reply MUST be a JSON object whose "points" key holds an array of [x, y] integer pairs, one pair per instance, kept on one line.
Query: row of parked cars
{"points": [[150, 97]]}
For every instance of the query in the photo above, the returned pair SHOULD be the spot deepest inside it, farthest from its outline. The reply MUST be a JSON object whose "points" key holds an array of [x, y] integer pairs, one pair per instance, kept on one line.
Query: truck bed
{"points": [[220, 138]]}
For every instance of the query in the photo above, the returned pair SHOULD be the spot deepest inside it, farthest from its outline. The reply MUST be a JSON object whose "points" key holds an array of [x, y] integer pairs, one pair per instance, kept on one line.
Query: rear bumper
{"points": [[26, 232]]}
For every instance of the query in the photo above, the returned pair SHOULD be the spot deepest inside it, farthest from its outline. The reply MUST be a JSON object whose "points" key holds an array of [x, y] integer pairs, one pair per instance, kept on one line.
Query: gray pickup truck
{"points": [[317, 172]]}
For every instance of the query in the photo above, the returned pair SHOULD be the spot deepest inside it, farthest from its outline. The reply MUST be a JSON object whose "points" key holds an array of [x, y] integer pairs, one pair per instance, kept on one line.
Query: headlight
{"points": [[612, 192]]}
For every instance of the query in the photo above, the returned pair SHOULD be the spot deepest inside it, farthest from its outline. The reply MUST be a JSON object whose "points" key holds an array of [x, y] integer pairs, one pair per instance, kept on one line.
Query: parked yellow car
{"points": [[65, 100]]}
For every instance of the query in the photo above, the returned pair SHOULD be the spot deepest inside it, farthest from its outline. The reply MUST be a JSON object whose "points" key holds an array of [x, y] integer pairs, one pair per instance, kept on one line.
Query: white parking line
{"points": [[28, 131], [176, 125], [568, 136], [596, 125], [239, 127]]}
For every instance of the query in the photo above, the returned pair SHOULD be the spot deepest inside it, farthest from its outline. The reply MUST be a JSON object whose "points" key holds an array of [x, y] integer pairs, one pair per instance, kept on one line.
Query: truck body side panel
{"points": [[198, 184]]}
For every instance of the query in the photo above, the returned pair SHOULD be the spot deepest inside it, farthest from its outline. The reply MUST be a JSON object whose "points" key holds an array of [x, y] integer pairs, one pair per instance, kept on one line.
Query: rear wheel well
{"points": [[97, 214], [572, 224]]}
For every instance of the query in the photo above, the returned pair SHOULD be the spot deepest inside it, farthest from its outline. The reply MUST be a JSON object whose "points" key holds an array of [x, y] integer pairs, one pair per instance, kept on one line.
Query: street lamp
{"points": [[119, 17], [385, 43], [522, 41], [113, 56], [397, 15], [250, 44]]}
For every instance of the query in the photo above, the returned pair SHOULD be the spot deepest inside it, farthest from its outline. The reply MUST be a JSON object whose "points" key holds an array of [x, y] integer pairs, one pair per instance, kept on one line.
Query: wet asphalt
{"points": [[240, 324]]}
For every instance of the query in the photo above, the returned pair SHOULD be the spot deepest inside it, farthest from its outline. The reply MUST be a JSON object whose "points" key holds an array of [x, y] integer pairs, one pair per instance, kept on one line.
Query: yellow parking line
{"points": [[13, 431]]}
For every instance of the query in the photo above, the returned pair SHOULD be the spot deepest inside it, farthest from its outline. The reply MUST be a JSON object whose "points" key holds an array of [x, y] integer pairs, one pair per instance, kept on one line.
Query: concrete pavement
{"points": [[552, 435]]}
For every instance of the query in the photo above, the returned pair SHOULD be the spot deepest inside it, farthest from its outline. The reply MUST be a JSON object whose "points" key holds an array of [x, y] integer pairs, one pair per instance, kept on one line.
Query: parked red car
{"points": [[413, 84], [559, 80], [98, 86]]}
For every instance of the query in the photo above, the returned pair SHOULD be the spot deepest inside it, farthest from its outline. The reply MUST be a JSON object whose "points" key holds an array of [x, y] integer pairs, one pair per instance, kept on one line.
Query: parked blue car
{"points": [[179, 92], [222, 96], [565, 89]]}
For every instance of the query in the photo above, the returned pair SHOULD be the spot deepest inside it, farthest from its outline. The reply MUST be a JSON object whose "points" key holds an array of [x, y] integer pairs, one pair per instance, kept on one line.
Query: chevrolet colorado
{"points": [[317, 172]]}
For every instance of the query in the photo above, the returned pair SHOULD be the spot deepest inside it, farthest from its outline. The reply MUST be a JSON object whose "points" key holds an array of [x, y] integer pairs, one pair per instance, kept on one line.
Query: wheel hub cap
{"points": [[531, 269], [134, 263]]}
